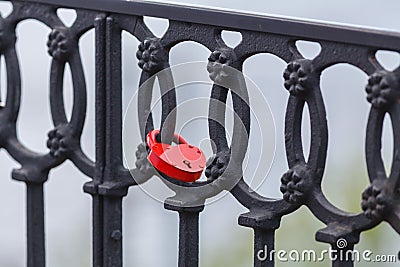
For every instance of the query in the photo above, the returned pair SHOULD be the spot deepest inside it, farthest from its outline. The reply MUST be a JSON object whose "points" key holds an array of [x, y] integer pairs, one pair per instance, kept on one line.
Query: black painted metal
{"points": [[301, 184]]}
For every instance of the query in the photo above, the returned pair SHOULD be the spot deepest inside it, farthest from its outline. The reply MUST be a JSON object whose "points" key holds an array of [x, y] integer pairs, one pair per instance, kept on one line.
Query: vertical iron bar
{"points": [[342, 260], [97, 234], [35, 225], [112, 232], [98, 217], [188, 234], [264, 226], [188, 238], [264, 243]]}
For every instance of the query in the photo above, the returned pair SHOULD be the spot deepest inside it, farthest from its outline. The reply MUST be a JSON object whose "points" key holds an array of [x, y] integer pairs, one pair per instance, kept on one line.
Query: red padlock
{"points": [[182, 162]]}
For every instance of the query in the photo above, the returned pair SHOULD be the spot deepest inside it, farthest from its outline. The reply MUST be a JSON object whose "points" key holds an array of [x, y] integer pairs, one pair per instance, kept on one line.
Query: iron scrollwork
{"points": [[110, 181]]}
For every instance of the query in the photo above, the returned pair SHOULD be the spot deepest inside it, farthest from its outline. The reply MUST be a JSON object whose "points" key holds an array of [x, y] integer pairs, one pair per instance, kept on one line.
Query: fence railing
{"points": [[110, 180]]}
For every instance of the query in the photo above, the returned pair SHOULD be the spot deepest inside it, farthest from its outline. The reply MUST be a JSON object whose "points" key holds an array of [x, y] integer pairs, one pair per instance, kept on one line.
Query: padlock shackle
{"points": [[152, 138]]}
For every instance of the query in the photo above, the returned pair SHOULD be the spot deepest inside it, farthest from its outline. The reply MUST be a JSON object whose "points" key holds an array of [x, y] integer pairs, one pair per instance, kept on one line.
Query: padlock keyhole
{"points": [[187, 163]]}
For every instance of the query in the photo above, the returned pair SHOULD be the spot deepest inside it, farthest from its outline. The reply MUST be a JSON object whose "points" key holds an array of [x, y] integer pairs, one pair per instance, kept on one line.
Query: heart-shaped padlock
{"points": [[182, 162]]}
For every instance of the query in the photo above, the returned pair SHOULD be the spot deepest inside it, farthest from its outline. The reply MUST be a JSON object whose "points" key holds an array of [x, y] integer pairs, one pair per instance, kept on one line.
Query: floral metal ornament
{"points": [[218, 165], [375, 201], [60, 44], [60, 141], [295, 184], [382, 89], [299, 76], [219, 65], [152, 56], [142, 163]]}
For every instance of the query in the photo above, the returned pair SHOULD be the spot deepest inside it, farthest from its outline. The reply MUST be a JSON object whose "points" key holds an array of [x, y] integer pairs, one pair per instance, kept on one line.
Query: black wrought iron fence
{"points": [[301, 184]]}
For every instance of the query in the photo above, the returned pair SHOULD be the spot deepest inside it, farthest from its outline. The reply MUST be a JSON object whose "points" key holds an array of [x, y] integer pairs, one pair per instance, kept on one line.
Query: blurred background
{"points": [[150, 232]]}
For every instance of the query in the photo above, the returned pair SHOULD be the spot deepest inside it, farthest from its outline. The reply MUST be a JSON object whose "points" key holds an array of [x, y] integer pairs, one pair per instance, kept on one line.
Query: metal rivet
{"points": [[116, 235]]}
